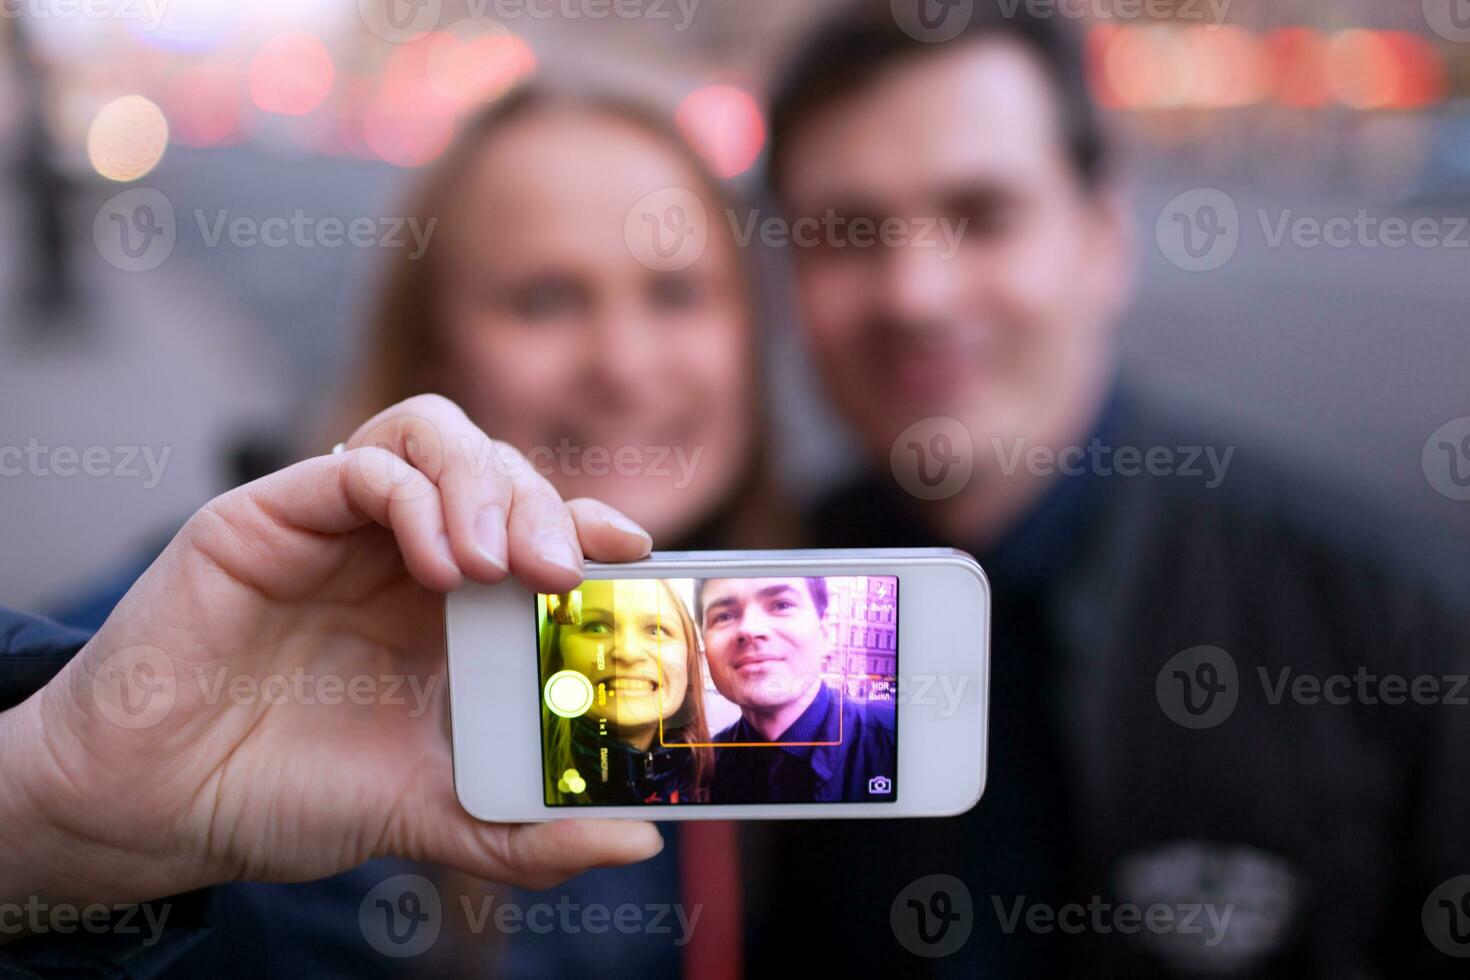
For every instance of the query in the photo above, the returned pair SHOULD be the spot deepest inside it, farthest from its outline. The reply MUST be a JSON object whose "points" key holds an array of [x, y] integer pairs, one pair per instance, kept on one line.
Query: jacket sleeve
{"points": [[32, 651], [94, 940]]}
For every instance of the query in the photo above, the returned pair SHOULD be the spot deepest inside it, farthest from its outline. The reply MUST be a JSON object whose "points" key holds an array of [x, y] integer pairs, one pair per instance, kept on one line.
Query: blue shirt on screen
{"points": [[856, 765]]}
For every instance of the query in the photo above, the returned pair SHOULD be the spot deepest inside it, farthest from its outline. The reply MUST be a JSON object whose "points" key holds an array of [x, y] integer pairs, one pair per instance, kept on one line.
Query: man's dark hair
{"points": [[862, 38], [816, 586]]}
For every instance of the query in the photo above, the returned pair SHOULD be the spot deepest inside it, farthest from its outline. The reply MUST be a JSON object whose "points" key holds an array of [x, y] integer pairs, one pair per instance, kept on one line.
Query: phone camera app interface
{"points": [[720, 690]]}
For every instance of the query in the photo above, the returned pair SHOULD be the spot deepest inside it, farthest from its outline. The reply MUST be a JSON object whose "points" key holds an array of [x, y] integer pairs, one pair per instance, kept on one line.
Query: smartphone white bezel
{"points": [[943, 637]]}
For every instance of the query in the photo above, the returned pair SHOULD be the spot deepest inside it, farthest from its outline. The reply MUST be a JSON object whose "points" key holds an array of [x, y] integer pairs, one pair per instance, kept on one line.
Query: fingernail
{"points": [[625, 524], [555, 549], [490, 536], [652, 842]]}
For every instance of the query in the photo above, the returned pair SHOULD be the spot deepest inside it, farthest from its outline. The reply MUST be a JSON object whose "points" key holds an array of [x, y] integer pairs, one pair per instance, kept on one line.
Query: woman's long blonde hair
{"points": [[688, 726]]}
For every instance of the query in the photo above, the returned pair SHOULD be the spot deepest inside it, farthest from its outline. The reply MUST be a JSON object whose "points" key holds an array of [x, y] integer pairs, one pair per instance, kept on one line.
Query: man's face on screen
{"points": [[764, 639]]}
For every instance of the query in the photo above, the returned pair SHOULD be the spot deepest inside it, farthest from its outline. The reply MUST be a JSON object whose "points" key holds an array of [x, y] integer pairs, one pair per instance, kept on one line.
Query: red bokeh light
{"points": [[291, 74], [725, 125]]}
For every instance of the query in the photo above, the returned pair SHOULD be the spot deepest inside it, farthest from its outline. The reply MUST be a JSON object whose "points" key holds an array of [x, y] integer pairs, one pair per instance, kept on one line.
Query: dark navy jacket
{"points": [[856, 765], [1336, 832]]}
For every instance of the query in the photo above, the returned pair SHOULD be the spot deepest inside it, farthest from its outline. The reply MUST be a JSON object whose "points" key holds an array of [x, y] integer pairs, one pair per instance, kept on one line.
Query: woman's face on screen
{"points": [[634, 647], [619, 381]]}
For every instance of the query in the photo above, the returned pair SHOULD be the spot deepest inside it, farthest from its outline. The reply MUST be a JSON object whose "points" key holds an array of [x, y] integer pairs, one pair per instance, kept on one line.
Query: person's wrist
{"points": [[64, 811]]}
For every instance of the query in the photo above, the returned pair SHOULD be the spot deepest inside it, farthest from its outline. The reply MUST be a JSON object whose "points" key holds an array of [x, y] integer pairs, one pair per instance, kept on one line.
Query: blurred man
{"points": [[766, 640], [1167, 797]]}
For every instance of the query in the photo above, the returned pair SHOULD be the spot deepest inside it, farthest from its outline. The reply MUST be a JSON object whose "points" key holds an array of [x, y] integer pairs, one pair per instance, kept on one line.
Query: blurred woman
{"points": [[635, 641], [532, 310]]}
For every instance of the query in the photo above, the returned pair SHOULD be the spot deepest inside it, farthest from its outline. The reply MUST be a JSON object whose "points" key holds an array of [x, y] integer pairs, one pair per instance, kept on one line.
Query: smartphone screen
{"points": [[720, 691]]}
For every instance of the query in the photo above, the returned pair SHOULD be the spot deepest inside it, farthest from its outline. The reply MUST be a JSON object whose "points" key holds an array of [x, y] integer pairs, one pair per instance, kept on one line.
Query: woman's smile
{"points": [[632, 686]]}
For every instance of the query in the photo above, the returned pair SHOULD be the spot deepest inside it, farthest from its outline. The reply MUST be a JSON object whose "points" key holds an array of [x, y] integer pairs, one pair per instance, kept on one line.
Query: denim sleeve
{"points": [[32, 651], [91, 940]]}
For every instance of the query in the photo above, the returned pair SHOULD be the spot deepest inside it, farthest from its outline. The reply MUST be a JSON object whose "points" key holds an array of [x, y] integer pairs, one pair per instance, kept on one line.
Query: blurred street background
{"points": [[1347, 356]]}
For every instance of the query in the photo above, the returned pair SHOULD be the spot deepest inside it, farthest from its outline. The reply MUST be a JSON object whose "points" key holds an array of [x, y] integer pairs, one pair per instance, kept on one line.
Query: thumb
{"points": [[533, 855]]}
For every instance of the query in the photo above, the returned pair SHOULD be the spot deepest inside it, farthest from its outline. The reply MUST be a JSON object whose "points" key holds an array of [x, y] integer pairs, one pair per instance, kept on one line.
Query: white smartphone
{"points": [[726, 685]]}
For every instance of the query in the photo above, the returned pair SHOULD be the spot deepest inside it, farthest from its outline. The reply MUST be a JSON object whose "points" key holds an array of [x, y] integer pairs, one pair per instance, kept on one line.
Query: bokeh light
{"points": [[291, 74], [1362, 70], [1299, 57], [1421, 70], [399, 134], [725, 125], [1148, 68], [127, 138], [477, 69], [203, 104], [1231, 68]]}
